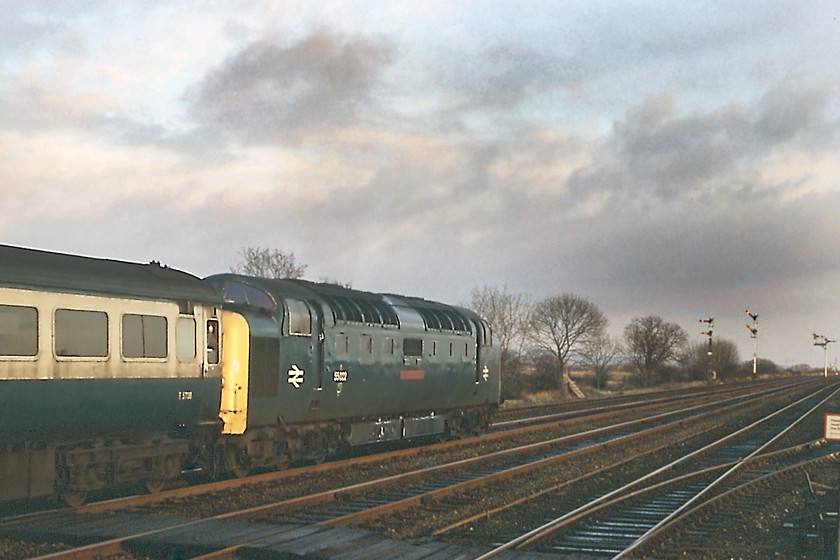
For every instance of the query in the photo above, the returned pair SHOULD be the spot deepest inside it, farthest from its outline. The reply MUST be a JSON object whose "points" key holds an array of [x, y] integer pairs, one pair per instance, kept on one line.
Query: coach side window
{"points": [[185, 338], [18, 330], [144, 336], [81, 333]]}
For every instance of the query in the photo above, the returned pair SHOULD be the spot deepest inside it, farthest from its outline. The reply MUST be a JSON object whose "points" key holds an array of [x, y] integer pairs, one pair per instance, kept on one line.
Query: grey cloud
{"points": [[785, 115], [656, 152], [503, 77], [33, 26], [269, 92]]}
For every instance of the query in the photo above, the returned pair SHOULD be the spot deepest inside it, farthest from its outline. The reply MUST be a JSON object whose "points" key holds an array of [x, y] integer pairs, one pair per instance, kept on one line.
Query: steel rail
{"points": [[650, 397], [581, 416], [545, 531], [277, 476], [659, 527], [678, 395], [231, 552], [114, 544], [664, 484], [717, 501]]}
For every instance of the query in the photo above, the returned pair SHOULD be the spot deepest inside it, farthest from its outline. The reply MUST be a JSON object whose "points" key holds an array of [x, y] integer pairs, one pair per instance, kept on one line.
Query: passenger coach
{"points": [[104, 367]]}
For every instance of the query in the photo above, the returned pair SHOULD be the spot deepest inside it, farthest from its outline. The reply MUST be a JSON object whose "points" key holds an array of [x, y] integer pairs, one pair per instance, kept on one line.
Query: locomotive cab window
{"points": [[298, 317], [18, 330], [212, 341], [144, 336], [81, 333], [243, 294]]}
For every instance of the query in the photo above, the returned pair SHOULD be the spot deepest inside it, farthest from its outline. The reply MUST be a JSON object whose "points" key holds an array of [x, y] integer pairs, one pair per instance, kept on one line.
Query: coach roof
{"points": [[43, 270]]}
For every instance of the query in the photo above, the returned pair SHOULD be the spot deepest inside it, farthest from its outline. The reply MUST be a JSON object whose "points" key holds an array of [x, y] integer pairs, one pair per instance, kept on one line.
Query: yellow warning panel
{"points": [[235, 351]]}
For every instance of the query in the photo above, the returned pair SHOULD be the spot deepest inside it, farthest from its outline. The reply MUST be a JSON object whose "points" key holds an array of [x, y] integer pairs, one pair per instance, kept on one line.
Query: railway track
{"points": [[595, 415], [516, 417], [696, 530], [265, 524], [619, 523]]}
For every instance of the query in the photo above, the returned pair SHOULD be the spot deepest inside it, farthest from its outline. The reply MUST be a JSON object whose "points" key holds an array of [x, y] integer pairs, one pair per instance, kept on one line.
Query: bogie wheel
{"points": [[154, 485], [74, 498], [238, 461], [318, 457], [454, 428]]}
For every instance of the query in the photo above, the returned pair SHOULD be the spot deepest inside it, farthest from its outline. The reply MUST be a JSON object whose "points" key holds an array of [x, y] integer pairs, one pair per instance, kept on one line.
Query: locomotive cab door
{"points": [[319, 342], [482, 339], [303, 346]]}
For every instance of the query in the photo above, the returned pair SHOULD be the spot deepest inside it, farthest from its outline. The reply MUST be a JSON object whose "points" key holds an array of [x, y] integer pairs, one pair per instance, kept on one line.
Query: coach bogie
{"points": [[26, 470], [108, 464]]}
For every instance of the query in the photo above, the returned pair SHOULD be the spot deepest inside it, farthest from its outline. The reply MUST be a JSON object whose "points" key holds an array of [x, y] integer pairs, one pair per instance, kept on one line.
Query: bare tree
{"points": [[600, 354], [563, 324], [725, 360], [508, 315], [650, 343], [268, 263]]}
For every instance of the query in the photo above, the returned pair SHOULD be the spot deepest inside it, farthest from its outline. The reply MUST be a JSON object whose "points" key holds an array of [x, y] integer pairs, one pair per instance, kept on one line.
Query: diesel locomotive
{"points": [[115, 373]]}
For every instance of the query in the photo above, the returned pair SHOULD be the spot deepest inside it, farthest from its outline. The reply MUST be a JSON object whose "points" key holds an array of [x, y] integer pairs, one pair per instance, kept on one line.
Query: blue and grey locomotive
{"points": [[114, 373]]}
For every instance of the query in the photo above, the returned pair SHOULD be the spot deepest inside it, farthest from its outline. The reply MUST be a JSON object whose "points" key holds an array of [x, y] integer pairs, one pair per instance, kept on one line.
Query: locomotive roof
{"points": [[43, 270], [356, 306]]}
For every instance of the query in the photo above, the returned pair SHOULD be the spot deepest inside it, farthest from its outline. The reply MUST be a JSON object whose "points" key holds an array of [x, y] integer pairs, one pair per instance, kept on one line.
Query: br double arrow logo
{"points": [[295, 376]]}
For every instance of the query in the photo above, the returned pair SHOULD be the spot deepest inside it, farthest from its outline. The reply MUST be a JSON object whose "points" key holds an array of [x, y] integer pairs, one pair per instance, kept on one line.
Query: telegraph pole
{"points": [[824, 341], [754, 330], [710, 321]]}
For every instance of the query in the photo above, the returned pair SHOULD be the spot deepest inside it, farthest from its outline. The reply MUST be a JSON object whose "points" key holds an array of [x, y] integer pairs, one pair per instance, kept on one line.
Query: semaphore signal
{"points": [[754, 330], [710, 321]]}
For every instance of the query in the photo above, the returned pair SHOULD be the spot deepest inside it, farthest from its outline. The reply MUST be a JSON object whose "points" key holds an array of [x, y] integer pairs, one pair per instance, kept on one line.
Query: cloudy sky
{"points": [[668, 158]]}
